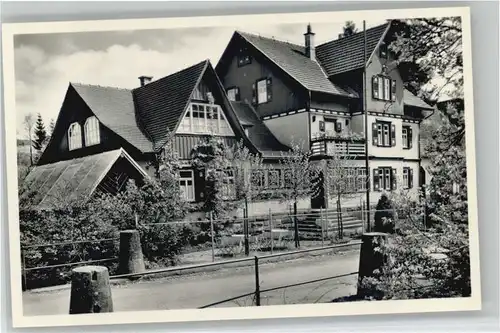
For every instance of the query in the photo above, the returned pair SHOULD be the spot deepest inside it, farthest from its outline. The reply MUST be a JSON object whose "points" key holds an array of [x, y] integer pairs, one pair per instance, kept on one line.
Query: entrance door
{"points": [[318, 198]]}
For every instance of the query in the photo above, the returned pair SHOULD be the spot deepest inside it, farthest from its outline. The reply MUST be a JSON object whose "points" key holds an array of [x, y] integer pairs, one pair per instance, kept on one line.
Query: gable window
{"points": [[384, 178], [383, 134], [407, 137], [244, 58], [233, 94], [92, 131], [383, 88], [186, 183], [74, 136], [262, 91], [204, 118]]}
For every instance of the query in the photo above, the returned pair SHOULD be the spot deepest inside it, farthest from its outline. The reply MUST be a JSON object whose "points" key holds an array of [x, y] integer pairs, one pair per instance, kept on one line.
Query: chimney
{"points": [[145, 80], [309, 43]]}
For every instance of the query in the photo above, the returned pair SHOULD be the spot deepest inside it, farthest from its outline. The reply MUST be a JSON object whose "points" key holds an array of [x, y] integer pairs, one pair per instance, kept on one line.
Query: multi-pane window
{"points": [[361, 180], [383, 134], [228, 186], [233, 94], [186, 183], [74, 136], [244, 58], [274, 178], [262, 91], [200, 93], [92, 131], [258, 178], [384, 178], [203, 118], [407, 177], [383, 88], [407, 137]]}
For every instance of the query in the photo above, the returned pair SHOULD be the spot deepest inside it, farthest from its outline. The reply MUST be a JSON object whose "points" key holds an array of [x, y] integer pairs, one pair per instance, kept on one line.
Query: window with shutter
{"points": [[410, 178], [338, 126], [375, 87], [394, 179], [269, 90], [410, 138], [254, 94], [233, 94], [393, 91], [322, 126], [393, 135], [375, 135], [376, 180]]}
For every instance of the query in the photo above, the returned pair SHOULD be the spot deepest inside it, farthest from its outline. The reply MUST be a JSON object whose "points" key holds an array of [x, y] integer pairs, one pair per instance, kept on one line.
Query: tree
{"points": [[349, 29], [429, 58], [40, 134], [28, 125], [52, 125], [342, 180], [300, 177]]}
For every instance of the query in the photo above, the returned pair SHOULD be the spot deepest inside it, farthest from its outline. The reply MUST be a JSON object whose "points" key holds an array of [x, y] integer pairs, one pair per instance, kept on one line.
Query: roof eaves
{"points": [[384, 34]]}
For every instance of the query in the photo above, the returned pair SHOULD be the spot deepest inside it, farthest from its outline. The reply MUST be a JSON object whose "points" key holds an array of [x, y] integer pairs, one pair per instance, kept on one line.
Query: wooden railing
{"points": [[330, 148]]}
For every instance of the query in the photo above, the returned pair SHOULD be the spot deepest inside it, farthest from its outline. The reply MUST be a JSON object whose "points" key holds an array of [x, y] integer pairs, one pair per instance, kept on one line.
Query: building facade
{"points": [[269, 94]]}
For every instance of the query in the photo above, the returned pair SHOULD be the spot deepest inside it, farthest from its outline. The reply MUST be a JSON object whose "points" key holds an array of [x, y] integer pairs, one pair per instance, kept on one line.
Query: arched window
{"points": [[75, 136], [92, 131]]}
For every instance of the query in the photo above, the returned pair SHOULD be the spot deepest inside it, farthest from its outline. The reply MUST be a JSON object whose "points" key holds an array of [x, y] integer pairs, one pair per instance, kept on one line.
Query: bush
{"points": [[384, 215]]}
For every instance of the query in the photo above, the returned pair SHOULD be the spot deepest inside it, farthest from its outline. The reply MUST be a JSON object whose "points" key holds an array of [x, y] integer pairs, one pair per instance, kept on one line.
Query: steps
{"points": [[310, 226]]}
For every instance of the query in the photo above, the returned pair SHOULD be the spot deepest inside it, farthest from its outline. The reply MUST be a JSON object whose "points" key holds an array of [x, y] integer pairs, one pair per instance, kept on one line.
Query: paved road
{"points": [[200, 289]]}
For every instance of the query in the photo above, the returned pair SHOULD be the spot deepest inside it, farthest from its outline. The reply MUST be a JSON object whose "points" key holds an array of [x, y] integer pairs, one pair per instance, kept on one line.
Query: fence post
{"points": [[90, 290], [327, 222], [24, 270], [322, 227], [257, 283], [212, 236], [131, 259], [245, 232], [271, 229]]}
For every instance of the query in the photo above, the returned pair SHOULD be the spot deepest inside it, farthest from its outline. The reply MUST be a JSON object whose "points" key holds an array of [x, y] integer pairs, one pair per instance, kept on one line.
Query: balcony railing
{"points": [[339, 147]]}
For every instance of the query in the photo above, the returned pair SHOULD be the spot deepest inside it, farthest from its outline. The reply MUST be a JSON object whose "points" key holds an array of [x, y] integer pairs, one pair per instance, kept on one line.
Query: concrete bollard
{"points": [[131, 259], [370, 261], [90, 290]]}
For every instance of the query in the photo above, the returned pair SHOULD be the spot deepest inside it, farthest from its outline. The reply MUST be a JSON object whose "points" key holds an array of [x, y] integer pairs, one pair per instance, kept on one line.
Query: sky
{"points": [[45, 64]]}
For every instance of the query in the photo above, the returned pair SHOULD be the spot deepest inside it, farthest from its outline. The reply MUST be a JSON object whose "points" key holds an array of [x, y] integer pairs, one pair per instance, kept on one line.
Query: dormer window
{"points": [[74, 136], [92, 136]]}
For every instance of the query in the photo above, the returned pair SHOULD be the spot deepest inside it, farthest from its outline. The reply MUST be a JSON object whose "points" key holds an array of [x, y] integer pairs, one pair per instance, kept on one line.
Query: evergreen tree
{"points": [[51, 127], [349, 29], [40, 134]]}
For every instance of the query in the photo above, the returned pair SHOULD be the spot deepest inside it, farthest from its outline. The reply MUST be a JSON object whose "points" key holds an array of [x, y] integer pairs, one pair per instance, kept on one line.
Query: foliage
{"points": [[52, 125], [349, 29], [301, 177], [384, 215], [40, 134], [28, 126]]}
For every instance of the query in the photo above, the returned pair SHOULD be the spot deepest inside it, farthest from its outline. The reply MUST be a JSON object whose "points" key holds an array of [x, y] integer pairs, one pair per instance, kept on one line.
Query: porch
{"points": [[325, 145]]}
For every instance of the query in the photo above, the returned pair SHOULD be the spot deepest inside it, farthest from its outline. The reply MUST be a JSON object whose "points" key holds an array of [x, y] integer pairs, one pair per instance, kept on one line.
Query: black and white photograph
{"points": [[259, 166]]}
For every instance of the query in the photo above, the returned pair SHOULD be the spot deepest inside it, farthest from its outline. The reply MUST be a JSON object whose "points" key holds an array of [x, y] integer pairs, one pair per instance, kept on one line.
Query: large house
{"points": [[265, 92]]}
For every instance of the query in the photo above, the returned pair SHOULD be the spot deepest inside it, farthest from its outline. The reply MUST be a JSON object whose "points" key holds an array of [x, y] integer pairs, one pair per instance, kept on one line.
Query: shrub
{"points": [[384, 215]]}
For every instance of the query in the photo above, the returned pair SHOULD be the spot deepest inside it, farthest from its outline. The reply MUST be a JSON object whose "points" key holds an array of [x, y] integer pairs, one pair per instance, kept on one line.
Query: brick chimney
{"points": [[145, 80], [309, 43]]}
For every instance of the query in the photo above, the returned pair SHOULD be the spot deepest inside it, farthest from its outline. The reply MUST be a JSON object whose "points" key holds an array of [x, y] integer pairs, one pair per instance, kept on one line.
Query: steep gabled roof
{"points": [[114, 108], [75, 179], [412, 100], [346, 54], [161, 103], [258, 133], [292, 59]]}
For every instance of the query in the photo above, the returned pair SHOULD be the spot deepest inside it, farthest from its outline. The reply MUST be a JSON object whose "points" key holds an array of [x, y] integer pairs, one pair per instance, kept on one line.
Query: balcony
{"points": [[333, 145]]}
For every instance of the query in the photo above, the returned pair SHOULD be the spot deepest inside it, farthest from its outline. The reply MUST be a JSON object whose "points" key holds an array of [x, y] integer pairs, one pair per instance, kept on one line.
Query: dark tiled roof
{"points": [[258, 133], [75, 179], [161, 103], [346, 54], [115, 109], [292, 59], [412, 100]]}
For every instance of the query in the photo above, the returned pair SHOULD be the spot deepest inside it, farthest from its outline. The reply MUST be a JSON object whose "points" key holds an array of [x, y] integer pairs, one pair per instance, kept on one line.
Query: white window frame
{"points": [[231, 94], [361, 179], [262, 91], [92, 134], [205, 124], [380, 135], [406, 178], [386, 134], [387, 179], [277, 178], [405, 137], [187, 191], [75, 136]]}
